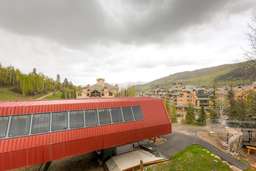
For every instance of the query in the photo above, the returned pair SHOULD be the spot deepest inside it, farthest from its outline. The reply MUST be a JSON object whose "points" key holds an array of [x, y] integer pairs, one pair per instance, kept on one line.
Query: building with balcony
{"points": [[100, 89]]}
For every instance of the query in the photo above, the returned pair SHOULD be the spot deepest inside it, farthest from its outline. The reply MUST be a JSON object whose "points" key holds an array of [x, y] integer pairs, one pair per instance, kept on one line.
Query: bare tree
{"points": [[252, 40]]}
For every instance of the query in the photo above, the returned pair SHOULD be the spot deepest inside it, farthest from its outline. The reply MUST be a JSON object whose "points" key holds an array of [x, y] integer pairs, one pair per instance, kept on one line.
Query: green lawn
{"points": [[6, 94], [193, 158], [55, 96]]}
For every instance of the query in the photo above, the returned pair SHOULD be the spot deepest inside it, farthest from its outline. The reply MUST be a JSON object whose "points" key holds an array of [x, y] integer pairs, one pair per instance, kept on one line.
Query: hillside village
{"points": [[182, 96], [128, 85]]}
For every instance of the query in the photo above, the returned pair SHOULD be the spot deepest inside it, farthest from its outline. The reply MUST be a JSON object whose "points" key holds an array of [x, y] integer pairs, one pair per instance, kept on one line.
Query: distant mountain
{"points": [[239, 73], [129, 84]]}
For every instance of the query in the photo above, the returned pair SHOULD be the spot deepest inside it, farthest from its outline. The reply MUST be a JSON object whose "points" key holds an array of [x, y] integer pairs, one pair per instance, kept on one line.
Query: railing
{"points": [[241, 124]]}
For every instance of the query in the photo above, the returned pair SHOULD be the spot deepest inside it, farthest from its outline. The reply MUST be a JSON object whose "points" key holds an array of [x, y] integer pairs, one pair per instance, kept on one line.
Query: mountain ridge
{"points": [[237, 73]]}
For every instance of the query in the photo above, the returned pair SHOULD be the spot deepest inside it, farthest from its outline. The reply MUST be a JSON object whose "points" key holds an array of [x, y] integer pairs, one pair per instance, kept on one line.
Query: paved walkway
{"points": [[43, 97], [178, 141]]}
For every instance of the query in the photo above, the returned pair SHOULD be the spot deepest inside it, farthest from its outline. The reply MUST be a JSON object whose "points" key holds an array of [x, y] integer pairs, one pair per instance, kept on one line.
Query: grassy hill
{"points": [[193, 157], [239, 73], [7, 94]]}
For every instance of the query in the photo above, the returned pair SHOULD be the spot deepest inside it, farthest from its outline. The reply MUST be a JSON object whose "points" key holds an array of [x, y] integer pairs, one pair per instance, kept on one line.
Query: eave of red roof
{"points": [[74, 101]]}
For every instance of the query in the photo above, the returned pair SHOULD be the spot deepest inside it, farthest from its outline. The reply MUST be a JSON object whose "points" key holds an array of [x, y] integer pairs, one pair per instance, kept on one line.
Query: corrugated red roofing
{"points": [[28, 107], [35, 149]]}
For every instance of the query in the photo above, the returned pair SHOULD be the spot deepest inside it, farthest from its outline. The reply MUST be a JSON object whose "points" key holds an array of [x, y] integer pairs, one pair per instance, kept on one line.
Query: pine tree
{"points": [[190, 115], [65, 82], [213, 108], [34, 71], [232, 104], [202, 117], [58, 78], [167, 106], [131, 91], [174, 114]]}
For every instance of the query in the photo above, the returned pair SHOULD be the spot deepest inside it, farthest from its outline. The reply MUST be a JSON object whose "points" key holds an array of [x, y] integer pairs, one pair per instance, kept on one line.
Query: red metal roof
{"points": [[35, 149], [30, 107]]}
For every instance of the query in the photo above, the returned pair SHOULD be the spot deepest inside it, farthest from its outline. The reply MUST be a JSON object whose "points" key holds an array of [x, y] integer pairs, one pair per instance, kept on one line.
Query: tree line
{"points": [[241, 108], [34, 83], [128, 92]]}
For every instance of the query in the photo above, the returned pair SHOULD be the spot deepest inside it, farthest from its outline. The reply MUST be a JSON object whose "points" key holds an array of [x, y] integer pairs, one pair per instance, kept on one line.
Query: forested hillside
{"points": [[12, 80], [239, 73]]}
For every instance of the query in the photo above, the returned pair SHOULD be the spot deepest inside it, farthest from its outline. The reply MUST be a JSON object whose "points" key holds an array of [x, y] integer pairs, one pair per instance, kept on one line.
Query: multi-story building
{"points": [[100, 89], [241, 92], [158, 92], [182, 96], [200, 98], [189, 95]]}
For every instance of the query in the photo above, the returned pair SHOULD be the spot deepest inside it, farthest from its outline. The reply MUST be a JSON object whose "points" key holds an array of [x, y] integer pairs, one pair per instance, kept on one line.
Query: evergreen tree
{"points": [[237, 108], [65, 82], [232, 113], [167, 106], [58, 78], [174, 114], [190, 115], [213, 110], [202, 117], [251, 104], [131, 91], [58, 84], [213, 115], [171, 110], [34, 71]]}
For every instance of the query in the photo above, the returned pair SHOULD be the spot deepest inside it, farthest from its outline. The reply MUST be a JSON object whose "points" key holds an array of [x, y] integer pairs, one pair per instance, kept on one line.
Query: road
{"points": [[179, 141]]}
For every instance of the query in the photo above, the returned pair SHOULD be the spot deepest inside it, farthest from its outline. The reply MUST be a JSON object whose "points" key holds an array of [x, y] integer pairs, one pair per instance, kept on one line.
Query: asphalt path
{"points": [[179, 141]]}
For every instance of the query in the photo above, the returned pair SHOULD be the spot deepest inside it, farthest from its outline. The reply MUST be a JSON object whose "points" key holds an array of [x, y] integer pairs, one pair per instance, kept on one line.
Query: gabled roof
{"points": [[99, 87]]}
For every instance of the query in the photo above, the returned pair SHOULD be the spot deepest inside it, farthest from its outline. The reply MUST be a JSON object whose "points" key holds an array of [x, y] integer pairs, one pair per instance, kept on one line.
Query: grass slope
{"points": [[55, 96], [223, 74], [6, 94], [193, 158]]}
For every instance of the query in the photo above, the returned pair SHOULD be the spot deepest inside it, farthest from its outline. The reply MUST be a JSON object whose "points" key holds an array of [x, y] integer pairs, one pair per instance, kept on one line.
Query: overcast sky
{"points": [[122, 40]]}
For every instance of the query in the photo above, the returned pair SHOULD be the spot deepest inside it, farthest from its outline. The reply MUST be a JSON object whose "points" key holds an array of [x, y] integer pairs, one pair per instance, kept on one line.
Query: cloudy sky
{"points": [[122, 40]]}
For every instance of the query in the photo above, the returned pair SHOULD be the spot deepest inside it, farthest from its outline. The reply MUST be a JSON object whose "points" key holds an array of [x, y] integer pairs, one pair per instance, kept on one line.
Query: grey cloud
{"points": [[167, 18], [239, 7], [82, 22], [166, 62], [65, 21]]}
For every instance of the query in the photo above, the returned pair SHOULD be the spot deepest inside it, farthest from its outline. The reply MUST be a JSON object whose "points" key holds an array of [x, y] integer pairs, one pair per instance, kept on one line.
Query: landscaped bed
{"points": [[193, 158]]}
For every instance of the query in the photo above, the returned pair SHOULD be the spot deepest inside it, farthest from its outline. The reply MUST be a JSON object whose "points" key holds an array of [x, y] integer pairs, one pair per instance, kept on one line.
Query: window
{"points": [[20, 125], [104, 116], [116, 115], [59, 121], [138, 115], [127, 111], [76, 119], [3, 126], [91, 118], [40, 123]]}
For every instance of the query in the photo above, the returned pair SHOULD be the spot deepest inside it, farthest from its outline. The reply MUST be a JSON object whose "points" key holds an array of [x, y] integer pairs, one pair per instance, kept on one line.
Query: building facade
{"points": [[181, 96], [100, 89], [241, 92]]}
